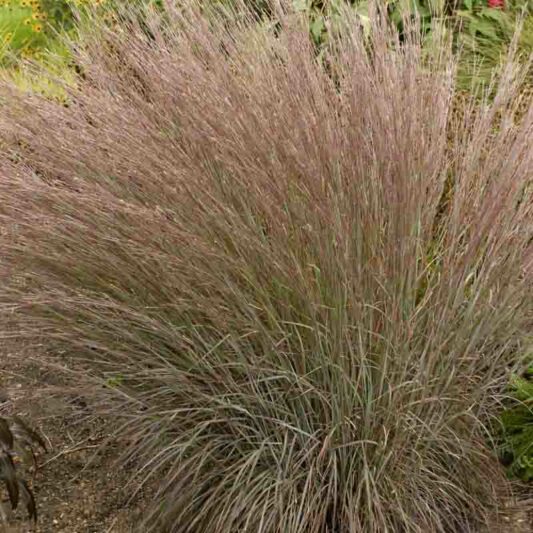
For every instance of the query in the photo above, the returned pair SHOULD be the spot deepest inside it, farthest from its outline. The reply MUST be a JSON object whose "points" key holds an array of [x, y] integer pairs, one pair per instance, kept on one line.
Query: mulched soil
{"points": [[78, 485]]}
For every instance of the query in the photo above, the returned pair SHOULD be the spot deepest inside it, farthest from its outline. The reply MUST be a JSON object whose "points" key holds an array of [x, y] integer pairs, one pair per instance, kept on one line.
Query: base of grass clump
{"points": [[251, 256]]}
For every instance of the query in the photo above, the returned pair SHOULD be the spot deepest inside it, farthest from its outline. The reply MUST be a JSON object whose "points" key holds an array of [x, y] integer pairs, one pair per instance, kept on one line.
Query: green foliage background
{"points": [[517, 422]]}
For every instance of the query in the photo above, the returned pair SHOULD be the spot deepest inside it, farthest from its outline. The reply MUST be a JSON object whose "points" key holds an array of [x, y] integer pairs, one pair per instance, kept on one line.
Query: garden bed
{"points": [[78, 486]]}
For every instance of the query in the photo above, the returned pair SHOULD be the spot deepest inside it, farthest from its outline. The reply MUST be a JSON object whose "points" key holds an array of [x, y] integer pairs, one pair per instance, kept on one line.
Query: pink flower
{"points": [[497, 4]]}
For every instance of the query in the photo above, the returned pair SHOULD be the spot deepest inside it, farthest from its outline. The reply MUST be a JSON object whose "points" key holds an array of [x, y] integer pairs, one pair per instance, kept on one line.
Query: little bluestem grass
{"points": [[312, 278]]}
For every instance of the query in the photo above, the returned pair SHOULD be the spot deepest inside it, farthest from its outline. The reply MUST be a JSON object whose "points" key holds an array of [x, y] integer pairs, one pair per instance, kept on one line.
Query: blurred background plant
{"points": [[517, 422], [485, 33], [23, 25], [30, 30], [18, 442]]}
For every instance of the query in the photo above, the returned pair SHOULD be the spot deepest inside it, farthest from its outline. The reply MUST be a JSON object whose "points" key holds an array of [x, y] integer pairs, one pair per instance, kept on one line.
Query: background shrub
{"points": [[517, 422], [22, 25], [301, 290]]}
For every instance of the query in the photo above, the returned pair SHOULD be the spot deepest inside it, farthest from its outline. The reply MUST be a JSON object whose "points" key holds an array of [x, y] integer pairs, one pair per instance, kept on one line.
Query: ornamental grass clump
{"points": [[299, 285]]}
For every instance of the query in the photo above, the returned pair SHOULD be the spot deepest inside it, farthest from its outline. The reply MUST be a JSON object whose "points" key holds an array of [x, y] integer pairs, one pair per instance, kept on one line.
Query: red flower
{"points": [[498, 4]]}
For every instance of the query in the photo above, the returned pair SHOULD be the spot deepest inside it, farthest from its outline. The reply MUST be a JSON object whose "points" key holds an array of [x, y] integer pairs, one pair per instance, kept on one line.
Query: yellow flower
{"points": [[27, 22], [37, 28]]}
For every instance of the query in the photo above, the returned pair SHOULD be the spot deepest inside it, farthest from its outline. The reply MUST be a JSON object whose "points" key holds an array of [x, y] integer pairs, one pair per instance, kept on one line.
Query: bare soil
{"points": [[78, 485]]}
